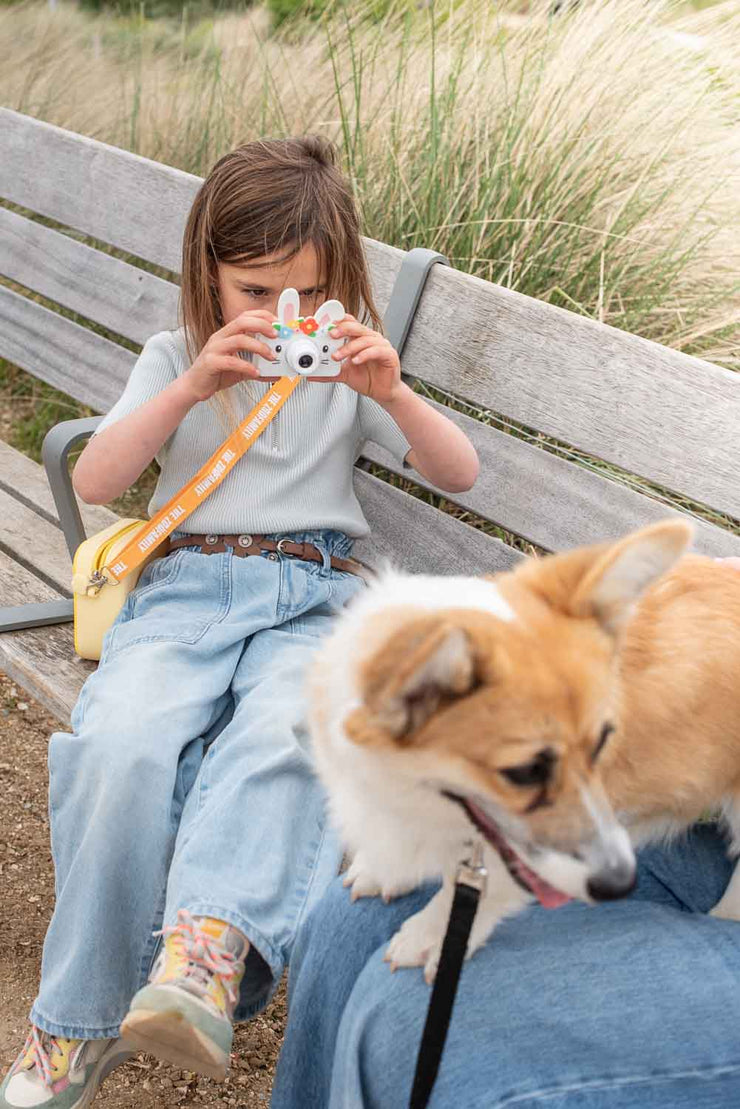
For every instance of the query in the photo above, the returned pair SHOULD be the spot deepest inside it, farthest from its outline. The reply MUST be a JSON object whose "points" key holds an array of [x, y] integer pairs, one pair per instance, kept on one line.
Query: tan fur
{"points": [[678, 749], [669, 682]]}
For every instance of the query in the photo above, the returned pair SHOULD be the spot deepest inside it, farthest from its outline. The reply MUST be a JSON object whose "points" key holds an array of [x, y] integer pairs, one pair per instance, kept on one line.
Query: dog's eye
{"points": [[535, 773], [606, 731]]}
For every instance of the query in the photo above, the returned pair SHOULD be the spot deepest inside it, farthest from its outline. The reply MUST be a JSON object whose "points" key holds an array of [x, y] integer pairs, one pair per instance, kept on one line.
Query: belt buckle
{"points": [[279, 548]]}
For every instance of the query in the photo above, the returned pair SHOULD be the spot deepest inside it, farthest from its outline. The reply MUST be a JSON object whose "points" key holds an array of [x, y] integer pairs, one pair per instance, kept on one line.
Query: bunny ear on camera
{"points": [[331, 311], [289, 307]]}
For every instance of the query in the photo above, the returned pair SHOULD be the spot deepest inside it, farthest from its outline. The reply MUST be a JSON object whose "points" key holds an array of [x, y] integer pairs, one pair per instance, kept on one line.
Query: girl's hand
{"points": [[370, 365], [218, 366]]}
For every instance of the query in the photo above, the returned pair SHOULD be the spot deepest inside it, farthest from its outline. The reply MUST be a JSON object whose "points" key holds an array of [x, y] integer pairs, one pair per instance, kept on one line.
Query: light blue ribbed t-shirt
{"points": [[298, 476]]}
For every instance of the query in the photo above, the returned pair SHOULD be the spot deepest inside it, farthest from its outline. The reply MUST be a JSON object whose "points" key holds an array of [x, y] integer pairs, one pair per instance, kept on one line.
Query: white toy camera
{"points": [[302, 345]]}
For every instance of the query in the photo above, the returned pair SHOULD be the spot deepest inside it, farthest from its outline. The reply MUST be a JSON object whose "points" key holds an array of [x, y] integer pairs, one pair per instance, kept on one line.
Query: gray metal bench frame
{"points": [[407, 291]]}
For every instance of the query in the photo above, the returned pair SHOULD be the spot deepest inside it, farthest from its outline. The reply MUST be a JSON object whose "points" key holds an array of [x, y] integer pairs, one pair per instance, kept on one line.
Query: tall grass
{"points": [[592, 159]]}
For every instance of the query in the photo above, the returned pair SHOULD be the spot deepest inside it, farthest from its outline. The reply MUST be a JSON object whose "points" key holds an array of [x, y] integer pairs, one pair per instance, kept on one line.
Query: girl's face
{"points": [[259, 283]]}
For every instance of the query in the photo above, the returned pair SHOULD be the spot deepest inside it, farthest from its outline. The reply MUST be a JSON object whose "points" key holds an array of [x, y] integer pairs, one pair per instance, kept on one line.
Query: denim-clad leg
{"points": [[122, 781], [629, 1005], [258, 799]]}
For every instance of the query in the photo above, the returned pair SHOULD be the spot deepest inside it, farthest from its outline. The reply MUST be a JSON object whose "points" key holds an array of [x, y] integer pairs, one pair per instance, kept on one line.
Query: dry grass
{"points": [[592, 160]]}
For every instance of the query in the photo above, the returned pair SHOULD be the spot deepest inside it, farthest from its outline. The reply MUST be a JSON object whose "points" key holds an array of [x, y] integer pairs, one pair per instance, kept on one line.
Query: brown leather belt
{"points": [[245, 545]]}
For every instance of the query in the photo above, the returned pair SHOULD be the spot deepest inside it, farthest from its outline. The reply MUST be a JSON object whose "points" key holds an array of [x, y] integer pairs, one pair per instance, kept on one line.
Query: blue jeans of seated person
{"points": [[150, 813], [633, 1004]]}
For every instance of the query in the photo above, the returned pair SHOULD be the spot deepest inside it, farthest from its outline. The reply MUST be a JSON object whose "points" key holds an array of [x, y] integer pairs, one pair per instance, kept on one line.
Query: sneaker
{"points": [[184, 1014], [59, 1073]]}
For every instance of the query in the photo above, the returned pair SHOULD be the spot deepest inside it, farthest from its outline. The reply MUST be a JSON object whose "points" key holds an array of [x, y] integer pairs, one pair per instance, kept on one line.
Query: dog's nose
{"points": [[609, 885]]}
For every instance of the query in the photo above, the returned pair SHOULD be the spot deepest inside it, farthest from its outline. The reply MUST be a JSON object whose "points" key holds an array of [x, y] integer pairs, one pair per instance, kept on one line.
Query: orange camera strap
{"points": [[210, 475]]}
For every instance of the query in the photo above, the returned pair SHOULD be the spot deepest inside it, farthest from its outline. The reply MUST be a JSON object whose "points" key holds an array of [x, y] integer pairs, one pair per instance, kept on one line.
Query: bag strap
{"points": [[469, 885], [209, 476]]}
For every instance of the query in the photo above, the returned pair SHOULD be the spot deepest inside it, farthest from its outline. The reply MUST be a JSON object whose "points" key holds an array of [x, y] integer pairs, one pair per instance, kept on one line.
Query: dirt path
{"points": [[27, 886]]}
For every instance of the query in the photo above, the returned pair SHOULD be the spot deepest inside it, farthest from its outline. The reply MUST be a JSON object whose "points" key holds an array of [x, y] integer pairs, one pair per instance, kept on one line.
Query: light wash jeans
{"points": [[186, 782], [630, 1005]]}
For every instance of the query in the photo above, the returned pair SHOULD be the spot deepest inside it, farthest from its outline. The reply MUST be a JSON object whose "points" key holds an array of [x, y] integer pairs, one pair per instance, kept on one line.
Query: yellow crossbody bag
{"points": [[106, 567], [95, 608]]}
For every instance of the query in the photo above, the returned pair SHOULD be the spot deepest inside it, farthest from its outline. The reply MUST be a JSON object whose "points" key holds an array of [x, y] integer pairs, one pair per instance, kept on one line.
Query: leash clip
{"points": [[471, 871]]}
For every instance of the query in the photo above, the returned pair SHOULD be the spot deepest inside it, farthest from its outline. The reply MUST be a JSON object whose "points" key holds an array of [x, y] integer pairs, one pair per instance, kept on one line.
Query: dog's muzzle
{"points": [[613, 882]]}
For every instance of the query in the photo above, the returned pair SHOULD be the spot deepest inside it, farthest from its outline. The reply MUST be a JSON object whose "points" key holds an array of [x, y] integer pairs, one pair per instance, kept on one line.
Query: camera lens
{"points": [[302, 355]]}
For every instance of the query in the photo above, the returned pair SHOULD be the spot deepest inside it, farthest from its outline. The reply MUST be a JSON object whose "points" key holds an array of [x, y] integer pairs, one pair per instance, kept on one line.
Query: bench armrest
{"points": [[406, 293], [54, 453]]}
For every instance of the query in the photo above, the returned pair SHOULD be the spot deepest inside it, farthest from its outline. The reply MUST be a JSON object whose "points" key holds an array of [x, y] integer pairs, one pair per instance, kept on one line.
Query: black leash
{"points": [[470, 883]]}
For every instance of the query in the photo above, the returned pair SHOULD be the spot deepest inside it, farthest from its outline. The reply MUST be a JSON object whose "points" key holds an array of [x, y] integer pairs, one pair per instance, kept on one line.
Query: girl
{"points": [[184, 793]]}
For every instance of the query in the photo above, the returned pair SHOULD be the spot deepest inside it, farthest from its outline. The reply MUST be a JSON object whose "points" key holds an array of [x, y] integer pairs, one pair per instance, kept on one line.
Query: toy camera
{"points": [[303, 345]]}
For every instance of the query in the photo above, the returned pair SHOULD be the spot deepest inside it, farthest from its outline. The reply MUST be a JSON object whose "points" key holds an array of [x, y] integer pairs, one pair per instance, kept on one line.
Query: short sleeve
{"points": [[379, 427], [156, 367]]}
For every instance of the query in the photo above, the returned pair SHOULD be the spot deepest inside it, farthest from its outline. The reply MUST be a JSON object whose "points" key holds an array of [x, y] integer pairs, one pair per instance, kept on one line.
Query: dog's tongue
{"points": [[547, 895]]}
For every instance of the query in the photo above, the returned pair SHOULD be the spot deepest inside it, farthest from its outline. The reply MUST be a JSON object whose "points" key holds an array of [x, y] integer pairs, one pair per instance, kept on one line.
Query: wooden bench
{"points": [[570, 388]]}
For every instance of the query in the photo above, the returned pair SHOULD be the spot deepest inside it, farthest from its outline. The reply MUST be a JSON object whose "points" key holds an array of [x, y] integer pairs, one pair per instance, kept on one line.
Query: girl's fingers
{"points": [[257, 314], [372, 354], [349, 350], [238, 365], [349, 327], [258, 322], [244, 342]]}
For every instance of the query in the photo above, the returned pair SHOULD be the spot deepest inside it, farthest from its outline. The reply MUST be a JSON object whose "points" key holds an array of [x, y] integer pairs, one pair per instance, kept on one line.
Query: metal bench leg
{"points": [[57, 445]]}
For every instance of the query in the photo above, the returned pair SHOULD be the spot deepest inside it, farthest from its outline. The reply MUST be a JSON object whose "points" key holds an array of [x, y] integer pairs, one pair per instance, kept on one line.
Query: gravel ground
{"points": [[27, 884]]}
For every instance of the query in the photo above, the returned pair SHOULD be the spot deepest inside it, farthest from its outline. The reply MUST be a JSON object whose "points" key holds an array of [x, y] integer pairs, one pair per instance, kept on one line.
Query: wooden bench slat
{"points": [[54, 349], [611, 394], [120, 198], [41, 660], [551, 502], [26, 481], [127, 300], [417, 537], [30, 539]]}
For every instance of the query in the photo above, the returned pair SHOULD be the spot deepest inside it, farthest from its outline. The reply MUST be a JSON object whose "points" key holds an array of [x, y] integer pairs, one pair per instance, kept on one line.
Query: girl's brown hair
{"points": [[272, 196]]}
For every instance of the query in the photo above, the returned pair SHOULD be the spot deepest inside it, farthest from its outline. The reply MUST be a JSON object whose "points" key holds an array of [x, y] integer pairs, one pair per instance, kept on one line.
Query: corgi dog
{"points": [[562, 713]]}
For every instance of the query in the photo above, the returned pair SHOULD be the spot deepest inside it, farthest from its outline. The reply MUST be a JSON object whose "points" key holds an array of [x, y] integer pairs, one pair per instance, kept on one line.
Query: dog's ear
{"points": [[424, 664], [610, 587], [604, 581]]}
